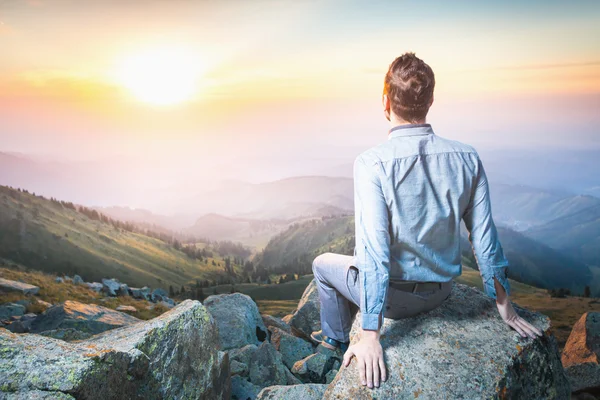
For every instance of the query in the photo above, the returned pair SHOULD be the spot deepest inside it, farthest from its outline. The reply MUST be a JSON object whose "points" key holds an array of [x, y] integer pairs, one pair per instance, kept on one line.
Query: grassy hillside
{"points": [[45, 235]]}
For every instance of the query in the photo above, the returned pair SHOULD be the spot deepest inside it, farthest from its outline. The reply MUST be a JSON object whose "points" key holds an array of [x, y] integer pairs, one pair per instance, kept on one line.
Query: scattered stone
{"points": [[238, 368], [159, 294], [292, 348], [110, 286], [461, 349], [307, 317], [330, 376], [77, 280], [313, 368], [168, 305], [123, 290], [173, 356], [142, 294], [581, 354], [43, 304], [291, 378], [126, 308], [89, 318], [10, 310], [95, 286], [243, 354], [68, 278], [241, 389], [238, 318], [266, 367], [15, 286], [59, 280], [270, 321], [311, 391]]}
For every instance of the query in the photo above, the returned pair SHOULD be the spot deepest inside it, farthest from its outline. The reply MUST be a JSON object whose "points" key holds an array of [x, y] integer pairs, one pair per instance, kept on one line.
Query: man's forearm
{"points": [[501, 295]]}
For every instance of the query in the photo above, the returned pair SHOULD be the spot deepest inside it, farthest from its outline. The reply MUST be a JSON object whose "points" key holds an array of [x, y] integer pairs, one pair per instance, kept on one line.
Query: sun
{"points": [[163, 75]]}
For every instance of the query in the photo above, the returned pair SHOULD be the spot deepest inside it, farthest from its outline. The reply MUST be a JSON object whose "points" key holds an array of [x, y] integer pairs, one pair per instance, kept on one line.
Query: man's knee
{"points": [[316, 266]]}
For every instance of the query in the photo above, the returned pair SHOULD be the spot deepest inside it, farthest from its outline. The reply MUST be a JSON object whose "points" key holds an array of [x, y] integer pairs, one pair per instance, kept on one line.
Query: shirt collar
{"points": [[409, 130]]}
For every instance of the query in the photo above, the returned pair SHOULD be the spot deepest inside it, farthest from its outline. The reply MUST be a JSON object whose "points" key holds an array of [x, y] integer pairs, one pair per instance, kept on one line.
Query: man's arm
{"points": [[484, 238], [372, 249]]}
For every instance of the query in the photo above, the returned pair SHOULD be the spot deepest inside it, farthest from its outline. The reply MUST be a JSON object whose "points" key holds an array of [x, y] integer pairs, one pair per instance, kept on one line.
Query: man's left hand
{"points": [[369, 355]]}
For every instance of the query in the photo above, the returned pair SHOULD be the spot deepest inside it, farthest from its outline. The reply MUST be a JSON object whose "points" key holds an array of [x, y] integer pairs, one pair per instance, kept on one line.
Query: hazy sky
{"points": [[290, 80]]}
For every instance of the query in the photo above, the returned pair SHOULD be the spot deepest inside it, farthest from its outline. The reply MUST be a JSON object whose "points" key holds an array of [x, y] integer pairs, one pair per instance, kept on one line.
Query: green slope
{"points": [[44, 235]]}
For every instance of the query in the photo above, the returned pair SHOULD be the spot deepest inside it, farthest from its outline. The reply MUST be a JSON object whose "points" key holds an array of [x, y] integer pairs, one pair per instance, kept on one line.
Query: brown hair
{"points": [[409, 85]]}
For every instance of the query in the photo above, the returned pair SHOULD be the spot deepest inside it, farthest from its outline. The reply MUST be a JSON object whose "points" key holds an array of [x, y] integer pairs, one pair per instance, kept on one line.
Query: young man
{"points": [[410, 194]]}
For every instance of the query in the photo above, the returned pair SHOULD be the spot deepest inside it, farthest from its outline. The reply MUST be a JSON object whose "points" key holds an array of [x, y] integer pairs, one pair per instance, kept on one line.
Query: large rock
{"points": [[462, 349], [581, 354], [292, 348], [242, 389], [266, 367], [270, 321], [87, 318], [311, 391], [95, 286], [11, 310], [14, 286], [307, 317], [140, 293], [111, 286], [174, 356], [78, 280], [238, 318]]}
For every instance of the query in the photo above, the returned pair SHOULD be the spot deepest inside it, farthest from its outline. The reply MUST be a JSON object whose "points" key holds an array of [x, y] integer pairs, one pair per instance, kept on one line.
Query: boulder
{"points": [[242, 389], [88, 318], [95, 286], [461, 349], [59, 280], [266, 367], [238, 319], [243, 354], [307, 317], [78, 280], [10, 310], [238, 368], [14, 286], [311, 391], [292, 348], [173, 356], [44, 304], [126, 308], [67, 334], [270, 321], [141, 294], [158, 294], [581, 354], [22, 324], [110, 286], [123, 290], [314, 368], [167, 304]]}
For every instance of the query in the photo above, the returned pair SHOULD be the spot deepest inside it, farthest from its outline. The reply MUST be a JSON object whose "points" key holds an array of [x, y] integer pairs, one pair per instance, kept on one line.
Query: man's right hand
{"points": [[510, 316]]}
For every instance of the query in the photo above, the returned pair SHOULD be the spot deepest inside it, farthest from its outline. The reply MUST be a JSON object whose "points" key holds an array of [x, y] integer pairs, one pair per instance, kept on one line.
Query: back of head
{"points": [[409, 85]]}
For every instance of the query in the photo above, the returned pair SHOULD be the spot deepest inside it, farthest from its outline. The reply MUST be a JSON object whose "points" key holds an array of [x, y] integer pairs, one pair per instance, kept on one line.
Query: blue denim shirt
{"points": [[410, 194]]}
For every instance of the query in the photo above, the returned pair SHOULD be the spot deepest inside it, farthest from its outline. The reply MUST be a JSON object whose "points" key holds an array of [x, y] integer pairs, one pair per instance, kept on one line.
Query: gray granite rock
{"points": [[243, 354], [242, 389], [266, 367], [238, 319], [78, 280], [140, 293], [309, 391], [314, 368], [270, 321], [110, 286], [462, 349], [95, 286], [9, 310], [88, 318], [173, 356], [7, 285], [581, 354], [238, 368], [307, 317], [292, 348]]}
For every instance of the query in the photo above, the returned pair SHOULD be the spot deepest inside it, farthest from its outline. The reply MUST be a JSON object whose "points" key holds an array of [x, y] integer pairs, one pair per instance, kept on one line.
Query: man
{"points": [[410, 194]]}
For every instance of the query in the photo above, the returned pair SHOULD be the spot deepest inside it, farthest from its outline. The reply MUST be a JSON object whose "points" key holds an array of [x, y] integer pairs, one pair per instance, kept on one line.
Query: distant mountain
{"points": [[576, 233], [49, 236], [141, 216], [531, 262]]}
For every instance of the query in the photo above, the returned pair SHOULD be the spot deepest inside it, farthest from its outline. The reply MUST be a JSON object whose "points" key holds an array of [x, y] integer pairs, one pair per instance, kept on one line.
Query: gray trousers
{"points": [[338, 284]]}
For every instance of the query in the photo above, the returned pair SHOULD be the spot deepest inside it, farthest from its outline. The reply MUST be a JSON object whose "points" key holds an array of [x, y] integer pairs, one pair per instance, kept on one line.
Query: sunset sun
{"points": [[160, 75]]}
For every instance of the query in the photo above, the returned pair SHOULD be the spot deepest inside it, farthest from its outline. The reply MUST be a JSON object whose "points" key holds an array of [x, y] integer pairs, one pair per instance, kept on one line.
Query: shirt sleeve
{"points": [[372, 236], [484, 236]]}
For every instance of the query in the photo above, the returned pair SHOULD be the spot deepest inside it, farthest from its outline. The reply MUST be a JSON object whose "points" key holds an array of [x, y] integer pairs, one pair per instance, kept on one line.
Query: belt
{"points": [[415, 286]]}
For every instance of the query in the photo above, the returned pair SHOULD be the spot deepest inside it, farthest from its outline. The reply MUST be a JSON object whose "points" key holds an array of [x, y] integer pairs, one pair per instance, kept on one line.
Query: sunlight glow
{"points": [[164, 75]]}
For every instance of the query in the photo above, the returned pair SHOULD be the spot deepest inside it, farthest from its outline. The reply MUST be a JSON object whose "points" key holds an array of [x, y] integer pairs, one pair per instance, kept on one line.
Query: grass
{"points": [[54, 293]]}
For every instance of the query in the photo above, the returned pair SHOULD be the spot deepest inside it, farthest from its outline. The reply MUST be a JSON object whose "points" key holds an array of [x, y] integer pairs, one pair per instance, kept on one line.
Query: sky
{"points": [[287, 83]]}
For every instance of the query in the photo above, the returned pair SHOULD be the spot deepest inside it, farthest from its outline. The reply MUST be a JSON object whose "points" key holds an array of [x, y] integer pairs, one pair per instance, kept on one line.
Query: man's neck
{"points": [[396, 122]]}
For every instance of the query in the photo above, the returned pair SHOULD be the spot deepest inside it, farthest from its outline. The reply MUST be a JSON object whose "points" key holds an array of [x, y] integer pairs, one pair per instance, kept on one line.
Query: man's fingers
{"points": [[531, 327], [369, 367], [361, 371], [375, 367], [515, 325], [383, 369], [347, 357]]}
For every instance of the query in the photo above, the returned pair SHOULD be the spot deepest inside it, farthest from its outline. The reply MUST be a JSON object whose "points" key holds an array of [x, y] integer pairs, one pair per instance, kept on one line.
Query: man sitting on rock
{"points": [[410, 194]]}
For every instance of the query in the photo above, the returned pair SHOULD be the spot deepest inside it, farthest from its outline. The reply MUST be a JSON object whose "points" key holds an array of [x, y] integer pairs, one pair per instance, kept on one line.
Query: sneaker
{"points": [[318, 338]]}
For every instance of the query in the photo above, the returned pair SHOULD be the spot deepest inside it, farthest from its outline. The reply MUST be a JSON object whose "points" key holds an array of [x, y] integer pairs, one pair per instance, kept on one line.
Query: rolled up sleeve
{"points": [[483, 236], [372, 249]]}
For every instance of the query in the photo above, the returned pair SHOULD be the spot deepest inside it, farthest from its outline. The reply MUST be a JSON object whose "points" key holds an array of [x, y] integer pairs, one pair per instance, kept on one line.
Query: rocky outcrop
{"points": [[9, 310], [266, 367], [172, 356], [271, 321], [581, 354], [295, 392], [292, 348], [15, 286], [110, 286], [238, 319], [462, 349], [87, 318], [307, 317], [314, 368]]}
